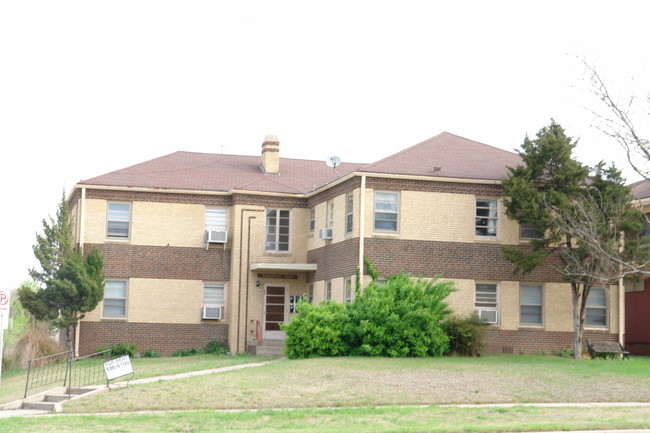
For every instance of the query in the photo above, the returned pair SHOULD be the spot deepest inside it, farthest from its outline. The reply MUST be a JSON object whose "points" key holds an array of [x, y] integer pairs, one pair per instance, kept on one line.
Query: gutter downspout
{"points": [[362, 226], [82, 223], [621, 299]]}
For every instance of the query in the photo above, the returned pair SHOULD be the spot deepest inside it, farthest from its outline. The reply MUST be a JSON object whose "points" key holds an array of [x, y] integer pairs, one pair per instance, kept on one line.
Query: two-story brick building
{"points": [[201, 247]]}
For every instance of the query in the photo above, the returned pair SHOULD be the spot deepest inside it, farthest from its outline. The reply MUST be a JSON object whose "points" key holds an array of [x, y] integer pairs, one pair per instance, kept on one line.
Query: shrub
{"points": [[186, 352], [466, 335], [121, 349], [215, 347], [150, 354], [35, 343], [317, 330], [401, 318]]}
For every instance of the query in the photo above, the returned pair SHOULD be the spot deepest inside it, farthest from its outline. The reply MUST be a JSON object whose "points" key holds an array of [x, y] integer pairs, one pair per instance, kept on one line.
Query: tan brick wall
{"points": [[162, 301], [152, 223], [437, 216]]}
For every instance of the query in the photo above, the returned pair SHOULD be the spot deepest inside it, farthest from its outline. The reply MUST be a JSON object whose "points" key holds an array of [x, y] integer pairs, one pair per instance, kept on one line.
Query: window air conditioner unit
{"points": [[216, 236], [211, 313], [325, 234], [489, 316]]}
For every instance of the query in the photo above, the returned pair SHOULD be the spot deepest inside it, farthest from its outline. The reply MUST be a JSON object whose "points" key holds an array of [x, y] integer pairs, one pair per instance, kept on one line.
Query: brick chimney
{"points": [[271, 155]]}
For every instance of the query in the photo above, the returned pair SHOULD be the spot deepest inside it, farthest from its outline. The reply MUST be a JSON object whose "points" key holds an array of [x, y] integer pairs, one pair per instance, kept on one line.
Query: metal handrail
{"points": [[48, 370], [258, 334]]}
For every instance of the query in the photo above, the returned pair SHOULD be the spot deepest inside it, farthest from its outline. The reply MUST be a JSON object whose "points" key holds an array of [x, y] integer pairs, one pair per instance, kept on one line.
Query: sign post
{"points": [[5, 302]]}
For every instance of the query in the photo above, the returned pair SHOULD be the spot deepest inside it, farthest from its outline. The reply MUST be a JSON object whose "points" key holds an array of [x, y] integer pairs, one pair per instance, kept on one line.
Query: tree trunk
{"points": [[68, 340], [577, 329]]}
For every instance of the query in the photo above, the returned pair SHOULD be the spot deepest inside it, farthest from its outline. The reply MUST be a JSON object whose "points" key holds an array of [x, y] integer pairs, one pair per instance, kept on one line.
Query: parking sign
{"points": [[5, 301]]}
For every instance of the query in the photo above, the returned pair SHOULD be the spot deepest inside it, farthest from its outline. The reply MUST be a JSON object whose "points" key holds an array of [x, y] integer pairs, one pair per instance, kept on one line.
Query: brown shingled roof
{"points": [[445, 155], [640, 189], [449, 155]]}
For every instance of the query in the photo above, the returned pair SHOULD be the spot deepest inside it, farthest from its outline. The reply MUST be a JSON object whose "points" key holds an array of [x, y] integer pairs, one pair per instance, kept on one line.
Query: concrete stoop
{"points": [[52, 400], [267, 348]]}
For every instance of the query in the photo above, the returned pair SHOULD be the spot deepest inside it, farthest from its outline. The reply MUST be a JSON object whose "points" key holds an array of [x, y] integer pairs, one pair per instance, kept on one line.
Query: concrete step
{"points": [[267, 348], [49, 406]]}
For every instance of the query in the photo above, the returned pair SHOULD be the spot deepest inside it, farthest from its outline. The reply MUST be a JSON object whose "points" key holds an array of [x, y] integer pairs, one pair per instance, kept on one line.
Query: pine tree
{"points": [[70, 283]]}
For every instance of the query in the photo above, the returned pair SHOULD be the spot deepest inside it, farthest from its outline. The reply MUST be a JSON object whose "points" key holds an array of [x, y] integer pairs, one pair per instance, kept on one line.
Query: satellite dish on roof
{"points": [[333, 161]]}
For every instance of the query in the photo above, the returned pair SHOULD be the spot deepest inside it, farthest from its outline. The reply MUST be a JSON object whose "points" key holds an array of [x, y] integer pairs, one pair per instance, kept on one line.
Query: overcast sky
{"points": [[89, 87]]}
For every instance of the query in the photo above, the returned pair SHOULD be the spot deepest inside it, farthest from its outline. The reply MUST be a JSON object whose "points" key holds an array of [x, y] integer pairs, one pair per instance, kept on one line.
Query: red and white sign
{"points": [[5, 301]]}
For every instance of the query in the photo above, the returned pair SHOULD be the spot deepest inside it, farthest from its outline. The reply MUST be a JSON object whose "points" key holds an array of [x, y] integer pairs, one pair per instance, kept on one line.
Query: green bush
{"points": [[120, 349], [401, 318], [186, 352], [215, 347], [317, 330], [466, 335], [150, 354]]}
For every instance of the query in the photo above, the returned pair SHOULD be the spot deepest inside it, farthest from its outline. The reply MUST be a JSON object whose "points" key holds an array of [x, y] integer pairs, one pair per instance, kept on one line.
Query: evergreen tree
{"points": [[578, 217], [70, 283]]}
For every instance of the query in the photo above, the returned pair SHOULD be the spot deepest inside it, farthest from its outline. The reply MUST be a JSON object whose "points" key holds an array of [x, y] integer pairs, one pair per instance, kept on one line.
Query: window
{"points": [[530, 231], [596, 307], [312, 219], [329, 218], [386, 211], [277, 230], [119, 219], [216, 219], [214, 295], [114, 298], [530, 304], [349, 213], [328, 290], [486, 302], [486, 217], [348, 290]]}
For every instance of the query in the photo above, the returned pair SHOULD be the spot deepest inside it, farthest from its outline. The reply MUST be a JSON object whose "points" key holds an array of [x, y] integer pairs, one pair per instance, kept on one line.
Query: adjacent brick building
{"points": [[203, 247]]}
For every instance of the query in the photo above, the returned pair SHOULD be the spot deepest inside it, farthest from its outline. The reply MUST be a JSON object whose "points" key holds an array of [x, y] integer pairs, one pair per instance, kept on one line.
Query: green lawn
{"points": [[367, 394]]}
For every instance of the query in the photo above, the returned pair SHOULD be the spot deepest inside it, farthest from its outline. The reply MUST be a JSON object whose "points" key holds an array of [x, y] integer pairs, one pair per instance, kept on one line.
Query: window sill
{"points": [[531, 327], [114, 319]]}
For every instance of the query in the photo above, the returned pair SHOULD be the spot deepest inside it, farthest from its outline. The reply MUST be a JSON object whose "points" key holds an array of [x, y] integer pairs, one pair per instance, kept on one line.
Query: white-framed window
{"points": [[216, 219], [348, 290], [118, 222], [530, 304], [214, 296], [312, 219], [328, 290], [530, 231], [386, 211], [486, 302], [277, 230], [596, 311], [329, 218], [115, 296], [485, 222], [349, 213]]}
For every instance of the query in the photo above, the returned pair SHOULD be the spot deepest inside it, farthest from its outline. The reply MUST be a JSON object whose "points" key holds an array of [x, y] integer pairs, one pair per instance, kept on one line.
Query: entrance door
{"points": [[274, 312]]}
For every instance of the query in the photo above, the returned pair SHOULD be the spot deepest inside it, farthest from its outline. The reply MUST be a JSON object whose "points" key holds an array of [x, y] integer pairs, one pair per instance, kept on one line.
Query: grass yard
{"points": [[353, 382], [366, 420], [13, 381], [365, 394]]}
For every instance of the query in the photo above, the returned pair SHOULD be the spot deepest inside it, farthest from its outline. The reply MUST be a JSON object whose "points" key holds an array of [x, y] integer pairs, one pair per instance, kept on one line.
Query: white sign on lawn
{"points": [[118, 367]]}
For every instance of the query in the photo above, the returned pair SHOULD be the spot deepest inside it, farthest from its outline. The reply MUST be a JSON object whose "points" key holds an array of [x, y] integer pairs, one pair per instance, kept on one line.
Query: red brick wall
{"points": [[138, 261], [336, 260], [532, 341], [165, 338], [452, 259]]}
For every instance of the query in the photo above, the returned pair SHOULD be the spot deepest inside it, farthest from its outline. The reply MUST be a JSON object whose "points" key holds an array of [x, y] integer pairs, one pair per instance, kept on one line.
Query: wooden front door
{"points": [[274, 312]]}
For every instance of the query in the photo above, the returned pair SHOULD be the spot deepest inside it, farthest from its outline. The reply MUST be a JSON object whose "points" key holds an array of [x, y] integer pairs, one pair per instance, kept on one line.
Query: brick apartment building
{"points": [[203, 247]]}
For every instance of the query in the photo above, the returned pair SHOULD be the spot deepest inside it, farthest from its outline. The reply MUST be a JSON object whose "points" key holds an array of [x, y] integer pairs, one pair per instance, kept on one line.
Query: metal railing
{"points": [[47, 370], [87, 370], [63, 369]]}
